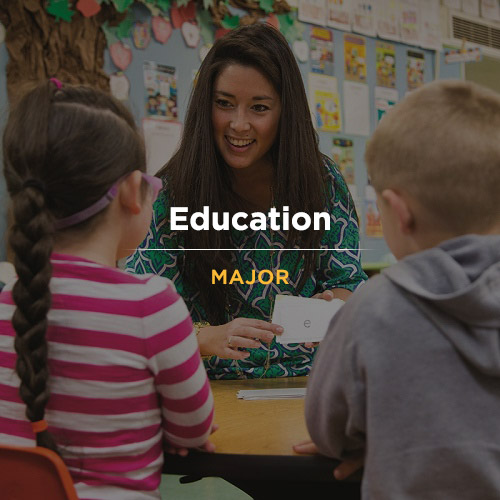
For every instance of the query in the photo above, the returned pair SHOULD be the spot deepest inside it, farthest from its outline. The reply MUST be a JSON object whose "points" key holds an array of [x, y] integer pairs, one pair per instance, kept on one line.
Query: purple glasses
{"points": [[154, 182]]}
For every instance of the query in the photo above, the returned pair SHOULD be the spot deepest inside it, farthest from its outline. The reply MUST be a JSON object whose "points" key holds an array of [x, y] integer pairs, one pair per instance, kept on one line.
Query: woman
{"points": [[248, 145]]}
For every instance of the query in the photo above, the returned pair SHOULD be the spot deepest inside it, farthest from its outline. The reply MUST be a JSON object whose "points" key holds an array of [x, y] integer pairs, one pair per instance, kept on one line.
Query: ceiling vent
{"points": [[475, 31]]}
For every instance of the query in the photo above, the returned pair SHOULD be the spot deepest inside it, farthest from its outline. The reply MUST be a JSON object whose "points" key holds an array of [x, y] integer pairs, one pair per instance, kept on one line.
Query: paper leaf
{"points": [[204, 20], [124, 28], [230, 22], [60, 10], [286, 21], [266, 5], [207, 4], [291, 28], [122, 5], [182, 3]]}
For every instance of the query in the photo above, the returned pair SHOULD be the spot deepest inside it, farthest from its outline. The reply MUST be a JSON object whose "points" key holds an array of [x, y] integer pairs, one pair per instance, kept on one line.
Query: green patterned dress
{"points": [[258, 250]]}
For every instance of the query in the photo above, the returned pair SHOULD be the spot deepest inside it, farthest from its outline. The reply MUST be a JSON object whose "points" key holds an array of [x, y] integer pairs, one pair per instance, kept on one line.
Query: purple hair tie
{"points": [[56, 82]]}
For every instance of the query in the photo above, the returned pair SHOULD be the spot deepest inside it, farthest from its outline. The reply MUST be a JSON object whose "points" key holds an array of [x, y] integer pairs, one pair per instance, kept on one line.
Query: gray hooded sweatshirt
{"points": [[409, 375]]}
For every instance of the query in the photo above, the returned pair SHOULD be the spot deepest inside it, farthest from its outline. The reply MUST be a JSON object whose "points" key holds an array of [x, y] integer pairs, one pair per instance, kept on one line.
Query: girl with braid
{"points": [[101, 366]]}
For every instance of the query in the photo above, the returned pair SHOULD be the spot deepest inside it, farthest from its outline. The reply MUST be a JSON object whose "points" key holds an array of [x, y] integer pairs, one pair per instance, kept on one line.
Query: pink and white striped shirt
{"points": [[125, 373]]}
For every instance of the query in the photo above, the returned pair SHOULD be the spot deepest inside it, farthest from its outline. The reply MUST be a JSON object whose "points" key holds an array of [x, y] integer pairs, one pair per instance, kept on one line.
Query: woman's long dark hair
{"points": [[197, 174], [62, 150]]}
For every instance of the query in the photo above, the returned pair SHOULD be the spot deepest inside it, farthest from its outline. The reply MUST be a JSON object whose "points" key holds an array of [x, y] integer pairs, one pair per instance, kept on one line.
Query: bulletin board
{"points": [[186, 60], [348, 148]]}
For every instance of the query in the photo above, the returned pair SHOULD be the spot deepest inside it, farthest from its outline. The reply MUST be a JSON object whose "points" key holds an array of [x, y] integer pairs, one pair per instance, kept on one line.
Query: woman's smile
{"points": [[239, 145]]}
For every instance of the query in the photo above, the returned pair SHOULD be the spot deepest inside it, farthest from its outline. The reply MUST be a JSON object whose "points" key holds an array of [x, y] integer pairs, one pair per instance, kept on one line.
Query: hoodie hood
{"points": [[458, 284]]}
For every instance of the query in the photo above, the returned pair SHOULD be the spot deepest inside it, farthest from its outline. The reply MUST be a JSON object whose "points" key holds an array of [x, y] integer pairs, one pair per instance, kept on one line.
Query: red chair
{"points": [[34, 473]]}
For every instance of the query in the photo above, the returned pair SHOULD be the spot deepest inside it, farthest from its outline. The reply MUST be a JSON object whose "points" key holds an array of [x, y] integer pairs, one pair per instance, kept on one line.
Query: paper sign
{"points": [[160, 83], [324, 102], [339, 14], [385, 99], [312, 11], [356, 108], [387, 19], [355, 58], [162, 139], [472, 54], [303, 320]]}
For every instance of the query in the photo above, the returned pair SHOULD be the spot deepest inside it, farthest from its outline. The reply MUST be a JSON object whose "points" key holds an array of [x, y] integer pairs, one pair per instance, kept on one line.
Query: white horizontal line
{"points": [[246, 249]]}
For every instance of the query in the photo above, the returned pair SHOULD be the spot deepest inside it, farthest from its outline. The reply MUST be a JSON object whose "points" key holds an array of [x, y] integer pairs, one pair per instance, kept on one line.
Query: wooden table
{"points": [[268, 427], [254, 447]]}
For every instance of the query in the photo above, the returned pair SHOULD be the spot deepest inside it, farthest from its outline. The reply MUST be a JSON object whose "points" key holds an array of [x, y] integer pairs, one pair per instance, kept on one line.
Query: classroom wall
{"points": [[186, 60]]}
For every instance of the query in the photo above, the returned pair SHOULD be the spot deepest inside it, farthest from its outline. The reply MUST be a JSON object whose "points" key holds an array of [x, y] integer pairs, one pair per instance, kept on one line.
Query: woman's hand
{"points": [[224, 340], [343, 470]]}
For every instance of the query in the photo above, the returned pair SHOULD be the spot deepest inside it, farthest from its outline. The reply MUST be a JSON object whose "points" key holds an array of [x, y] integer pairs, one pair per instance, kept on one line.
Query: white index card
{"points": [[303, 319]]}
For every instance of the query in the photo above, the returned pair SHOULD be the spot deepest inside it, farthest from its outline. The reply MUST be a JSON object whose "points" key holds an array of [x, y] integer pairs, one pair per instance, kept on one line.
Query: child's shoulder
{"points": [[69, 271]]}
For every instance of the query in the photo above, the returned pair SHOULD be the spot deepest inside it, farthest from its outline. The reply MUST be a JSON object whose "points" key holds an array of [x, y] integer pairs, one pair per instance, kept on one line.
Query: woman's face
{"points": [[245, 115]]}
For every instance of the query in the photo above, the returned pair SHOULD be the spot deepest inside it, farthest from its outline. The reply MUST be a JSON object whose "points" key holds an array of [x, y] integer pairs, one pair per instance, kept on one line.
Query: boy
{"points": [[409, 372]]}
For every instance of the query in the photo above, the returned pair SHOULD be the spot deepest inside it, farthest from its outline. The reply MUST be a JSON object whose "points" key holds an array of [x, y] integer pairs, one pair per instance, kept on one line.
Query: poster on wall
{"points": [[312, 11], [385, 99], [385, 63], [321, 47], [356, 108], [471, 7], [373, 223], [339, 14], [355, 58], [363, 17], [430, 28], [324, 102], [490, 9], [387, 19], [409, 22], [343, 155], [472, 54], [160, 84], [415, 69], [161, 139]]}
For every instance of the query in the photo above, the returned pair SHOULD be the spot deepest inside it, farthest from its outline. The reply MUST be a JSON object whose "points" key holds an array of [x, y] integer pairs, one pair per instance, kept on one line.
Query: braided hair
{"points": [[63, 147]]}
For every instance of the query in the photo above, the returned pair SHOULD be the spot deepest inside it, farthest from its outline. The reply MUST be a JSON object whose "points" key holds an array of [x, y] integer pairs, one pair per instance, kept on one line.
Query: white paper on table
{"points": [[162, 139], [303, 319], [286, 393], [356, 108]]}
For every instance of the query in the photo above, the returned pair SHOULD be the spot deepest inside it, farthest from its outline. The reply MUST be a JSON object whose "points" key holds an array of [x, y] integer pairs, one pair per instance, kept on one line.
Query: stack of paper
{"points": [[291, 393]]}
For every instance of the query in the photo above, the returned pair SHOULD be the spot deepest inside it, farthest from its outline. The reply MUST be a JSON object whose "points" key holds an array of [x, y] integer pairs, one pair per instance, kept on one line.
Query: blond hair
{"points": [[441, 145]]}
